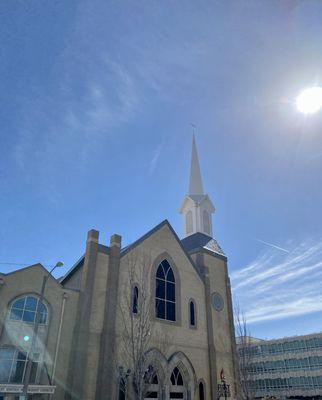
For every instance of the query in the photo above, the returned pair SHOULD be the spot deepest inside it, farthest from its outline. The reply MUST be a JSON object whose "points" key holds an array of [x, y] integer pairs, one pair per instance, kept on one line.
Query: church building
{"points": [[166, 299]]}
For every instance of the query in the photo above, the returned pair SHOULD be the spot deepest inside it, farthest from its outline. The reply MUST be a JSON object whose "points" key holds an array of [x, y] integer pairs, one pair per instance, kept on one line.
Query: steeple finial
{"points": [[195, 184]]}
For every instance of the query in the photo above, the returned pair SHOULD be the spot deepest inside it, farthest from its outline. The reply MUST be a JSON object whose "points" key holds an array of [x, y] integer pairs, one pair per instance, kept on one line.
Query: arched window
{"points": [[206, 222], [192, 313], [24, 309], [135, 300], [152, 380], [176, 377], [165, 292], [201, 391], [189, 223], [13, 365]]}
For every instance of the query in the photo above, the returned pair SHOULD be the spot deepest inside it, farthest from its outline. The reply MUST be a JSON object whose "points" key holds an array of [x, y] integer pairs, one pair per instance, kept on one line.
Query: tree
{"points": [[136, 372], [244, 353]]}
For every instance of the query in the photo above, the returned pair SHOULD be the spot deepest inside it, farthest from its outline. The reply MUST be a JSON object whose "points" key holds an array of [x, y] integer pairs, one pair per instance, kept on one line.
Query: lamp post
{"points": [[223, 388], [35, 333]]}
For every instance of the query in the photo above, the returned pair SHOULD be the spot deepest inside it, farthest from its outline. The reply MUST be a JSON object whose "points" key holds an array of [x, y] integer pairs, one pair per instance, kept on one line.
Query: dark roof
{"points": [[79, 263], [200, 241]]}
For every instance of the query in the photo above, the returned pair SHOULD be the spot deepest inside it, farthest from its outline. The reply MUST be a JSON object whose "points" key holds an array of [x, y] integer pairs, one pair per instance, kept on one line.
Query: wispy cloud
{"points": [[155, 158], [281, 284]]}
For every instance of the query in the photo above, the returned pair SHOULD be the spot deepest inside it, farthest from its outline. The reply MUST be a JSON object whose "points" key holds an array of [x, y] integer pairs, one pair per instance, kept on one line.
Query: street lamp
{"points": [[35, 332], [223, 388]]}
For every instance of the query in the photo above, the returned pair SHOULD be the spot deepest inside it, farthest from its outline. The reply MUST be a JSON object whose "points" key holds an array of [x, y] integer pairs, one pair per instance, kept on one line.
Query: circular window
{"points": [[217, 301]]}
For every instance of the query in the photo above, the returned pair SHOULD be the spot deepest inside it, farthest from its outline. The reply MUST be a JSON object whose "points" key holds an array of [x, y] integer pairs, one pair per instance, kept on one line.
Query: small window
{"points": [[24, 309], [176, 377], [192, 312], [135, 300], [201, 391]]}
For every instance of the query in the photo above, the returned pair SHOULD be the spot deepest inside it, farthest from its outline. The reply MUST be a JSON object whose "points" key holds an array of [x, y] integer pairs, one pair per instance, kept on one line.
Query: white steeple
{"points": [[196, 207], [195, 184]]}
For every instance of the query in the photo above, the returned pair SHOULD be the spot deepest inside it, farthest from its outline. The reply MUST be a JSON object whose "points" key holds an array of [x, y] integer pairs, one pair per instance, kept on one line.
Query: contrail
{"points": [[272, 245]]}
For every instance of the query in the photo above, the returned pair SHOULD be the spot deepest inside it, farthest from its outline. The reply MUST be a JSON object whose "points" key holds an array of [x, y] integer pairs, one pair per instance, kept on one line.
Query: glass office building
{"points": [[288, 368]]}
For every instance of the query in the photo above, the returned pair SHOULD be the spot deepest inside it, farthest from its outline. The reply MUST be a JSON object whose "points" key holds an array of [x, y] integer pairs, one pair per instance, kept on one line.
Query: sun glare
{"points": [[310, 100]]}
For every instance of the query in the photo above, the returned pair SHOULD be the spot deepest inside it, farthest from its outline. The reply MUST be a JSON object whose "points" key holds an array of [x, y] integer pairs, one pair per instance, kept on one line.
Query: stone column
{"points": [[106, 379], [79, 353]]}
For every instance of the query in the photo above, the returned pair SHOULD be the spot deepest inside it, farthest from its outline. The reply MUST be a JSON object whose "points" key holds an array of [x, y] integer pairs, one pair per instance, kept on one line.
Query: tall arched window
{"points": [[165, 292], [201, 391], [24, 309], [135, 300], [192, 313]]}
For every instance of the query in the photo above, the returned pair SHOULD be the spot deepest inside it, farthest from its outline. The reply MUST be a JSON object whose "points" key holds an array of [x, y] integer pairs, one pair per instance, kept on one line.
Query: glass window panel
{"points": [[171, 293], [135, 300], [155, 380], [31, 303], [201, 391], [171, 311], [29, 316], [160, 272], [20, 303], [5, 366], [43, 318], [160, 289], [166, 266], [17, 373], [160, 308], [21, 355], [170, 276], [42, 308], [16, 314], [179, 380], [151, 395], [33, 373], [192, 314]]}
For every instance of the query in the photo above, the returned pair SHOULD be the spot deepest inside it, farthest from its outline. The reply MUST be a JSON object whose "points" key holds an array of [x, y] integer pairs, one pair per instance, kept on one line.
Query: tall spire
{"points": [[196, 207], [195, 184]]}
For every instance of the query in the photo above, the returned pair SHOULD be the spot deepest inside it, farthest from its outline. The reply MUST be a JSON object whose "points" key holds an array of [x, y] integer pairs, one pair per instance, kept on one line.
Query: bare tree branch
{"points": [[244, 352]]}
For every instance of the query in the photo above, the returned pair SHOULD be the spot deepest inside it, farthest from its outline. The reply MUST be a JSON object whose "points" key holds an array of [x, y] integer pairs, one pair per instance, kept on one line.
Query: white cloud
{"points": [[276, 285], [155, 158]]}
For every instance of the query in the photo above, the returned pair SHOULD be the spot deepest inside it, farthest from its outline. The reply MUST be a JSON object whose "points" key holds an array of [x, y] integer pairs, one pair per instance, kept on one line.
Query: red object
{"points": [[222, 374]]}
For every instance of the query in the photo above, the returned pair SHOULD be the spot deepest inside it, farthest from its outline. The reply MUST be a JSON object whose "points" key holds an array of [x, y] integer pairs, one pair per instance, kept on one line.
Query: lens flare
{"points": [[310, 100]]}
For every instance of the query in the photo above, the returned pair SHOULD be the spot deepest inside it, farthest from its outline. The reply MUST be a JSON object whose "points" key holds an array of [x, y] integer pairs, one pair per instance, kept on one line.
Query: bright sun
{"points": [[310, 100]]}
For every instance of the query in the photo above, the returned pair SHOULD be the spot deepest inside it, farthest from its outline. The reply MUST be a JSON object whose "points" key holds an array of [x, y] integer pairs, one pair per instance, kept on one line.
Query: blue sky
{"points": [[96, 101]]}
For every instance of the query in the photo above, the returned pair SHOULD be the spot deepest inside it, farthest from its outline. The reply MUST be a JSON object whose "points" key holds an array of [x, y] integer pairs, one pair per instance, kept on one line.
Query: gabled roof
{"points": [[126, 249], [199, 242], [38, 265], [79, 263]]}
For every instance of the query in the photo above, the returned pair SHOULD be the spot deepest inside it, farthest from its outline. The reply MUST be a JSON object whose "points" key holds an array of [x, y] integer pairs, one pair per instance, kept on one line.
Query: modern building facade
{"points": [[288, 368], [78, 351]]}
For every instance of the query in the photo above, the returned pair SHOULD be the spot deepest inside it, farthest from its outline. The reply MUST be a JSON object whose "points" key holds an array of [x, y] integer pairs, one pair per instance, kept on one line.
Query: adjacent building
{"points": [[288, 368], [78, 353]]}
